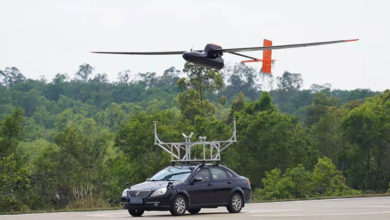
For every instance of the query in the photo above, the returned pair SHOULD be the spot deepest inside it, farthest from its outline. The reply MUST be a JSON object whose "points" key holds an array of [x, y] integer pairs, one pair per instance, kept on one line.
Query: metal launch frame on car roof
{"points": [[210, 151]]}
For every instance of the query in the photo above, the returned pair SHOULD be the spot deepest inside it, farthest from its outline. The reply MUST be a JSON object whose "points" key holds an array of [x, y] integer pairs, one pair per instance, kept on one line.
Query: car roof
{"points": [[195, 166]]}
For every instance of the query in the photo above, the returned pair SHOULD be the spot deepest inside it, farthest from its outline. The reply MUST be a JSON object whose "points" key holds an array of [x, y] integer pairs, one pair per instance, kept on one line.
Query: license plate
{"points": [[136, 201]]}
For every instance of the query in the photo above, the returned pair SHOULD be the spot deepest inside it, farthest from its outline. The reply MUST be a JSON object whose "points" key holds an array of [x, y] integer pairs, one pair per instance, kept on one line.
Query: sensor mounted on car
{"points": [[206, 151]]}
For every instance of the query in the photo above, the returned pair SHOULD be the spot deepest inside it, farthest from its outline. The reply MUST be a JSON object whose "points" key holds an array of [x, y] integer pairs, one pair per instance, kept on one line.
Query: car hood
{"points": [[152, 185]]}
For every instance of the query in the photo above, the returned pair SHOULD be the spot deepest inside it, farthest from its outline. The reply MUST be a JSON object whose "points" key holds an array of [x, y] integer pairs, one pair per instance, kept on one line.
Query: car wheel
{"points": [[179, 205], [136, 212], [194, 211], [235, 203]]}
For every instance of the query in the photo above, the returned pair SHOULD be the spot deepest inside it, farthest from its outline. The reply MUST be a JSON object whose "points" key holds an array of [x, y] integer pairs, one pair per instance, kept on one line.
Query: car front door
{"points": [[201, 193]]}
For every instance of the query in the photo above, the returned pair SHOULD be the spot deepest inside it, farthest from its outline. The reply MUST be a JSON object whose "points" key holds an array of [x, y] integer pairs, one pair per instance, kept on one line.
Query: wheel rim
{"points": [[236, 202], [180, 205]]}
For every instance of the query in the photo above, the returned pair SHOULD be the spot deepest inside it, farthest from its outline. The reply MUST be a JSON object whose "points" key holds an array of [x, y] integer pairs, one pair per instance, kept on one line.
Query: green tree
{"points": [[297, 182], [327, 180], [115, 114], [294, 183], [11, 132], [300, 178], [321, 103], [85, 70], [45, 172], [321, 88], [327, 133], [290, 81], [62, 147], [169, 77], [237, 105], [12, 76], [288, 97], [276, 186], [268, 139], [366, 131], [200, 81], [190, 105], [135, 140], [71, 169], [242, 78], [14, 183]]}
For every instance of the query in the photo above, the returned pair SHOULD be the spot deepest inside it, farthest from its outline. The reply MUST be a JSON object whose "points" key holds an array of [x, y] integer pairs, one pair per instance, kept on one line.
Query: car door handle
{"points": [[209, 184], [229, 182]]}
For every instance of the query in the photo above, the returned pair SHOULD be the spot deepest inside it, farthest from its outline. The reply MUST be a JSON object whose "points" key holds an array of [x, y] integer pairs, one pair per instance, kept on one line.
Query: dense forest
{"points": [[75, 141]]}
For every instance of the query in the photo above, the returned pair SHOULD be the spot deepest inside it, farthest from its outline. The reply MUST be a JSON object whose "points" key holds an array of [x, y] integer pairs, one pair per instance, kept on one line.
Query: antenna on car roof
{"points": [[181, 151]]}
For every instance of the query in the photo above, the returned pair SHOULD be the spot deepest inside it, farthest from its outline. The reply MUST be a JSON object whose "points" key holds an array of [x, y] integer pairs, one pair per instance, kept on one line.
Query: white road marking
{"points": [[327, 214], [376, 206], [109, 214], [273, 210]]}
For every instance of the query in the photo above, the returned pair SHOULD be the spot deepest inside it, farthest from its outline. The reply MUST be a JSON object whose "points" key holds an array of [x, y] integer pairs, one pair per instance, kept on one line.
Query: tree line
{"points": [[75, 142]]}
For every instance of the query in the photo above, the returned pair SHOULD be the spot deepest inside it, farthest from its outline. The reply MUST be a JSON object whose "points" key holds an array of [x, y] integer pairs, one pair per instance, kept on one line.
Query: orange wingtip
{"points": [[351, 40]]}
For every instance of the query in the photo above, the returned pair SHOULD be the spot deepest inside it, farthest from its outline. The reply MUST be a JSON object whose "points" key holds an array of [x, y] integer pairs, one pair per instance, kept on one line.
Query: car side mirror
{"points": [[128, 185], [147, 179], [197, 179]]}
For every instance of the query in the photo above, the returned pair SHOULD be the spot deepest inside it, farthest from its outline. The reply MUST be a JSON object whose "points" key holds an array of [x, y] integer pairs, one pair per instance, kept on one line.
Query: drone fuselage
{"points": [[211, 57]]}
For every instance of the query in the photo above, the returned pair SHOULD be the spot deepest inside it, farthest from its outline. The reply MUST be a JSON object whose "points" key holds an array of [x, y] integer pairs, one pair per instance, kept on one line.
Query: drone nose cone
{"points": [[194, 57], [187, 56], [202, 60]]}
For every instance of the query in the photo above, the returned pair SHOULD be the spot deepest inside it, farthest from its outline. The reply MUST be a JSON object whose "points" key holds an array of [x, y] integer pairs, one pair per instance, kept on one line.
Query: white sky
{"points": [[43, 38]]}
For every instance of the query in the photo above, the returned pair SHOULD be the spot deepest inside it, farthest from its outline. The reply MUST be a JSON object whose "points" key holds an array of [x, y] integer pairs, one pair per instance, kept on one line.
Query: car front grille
{"points": [[138, 193]]}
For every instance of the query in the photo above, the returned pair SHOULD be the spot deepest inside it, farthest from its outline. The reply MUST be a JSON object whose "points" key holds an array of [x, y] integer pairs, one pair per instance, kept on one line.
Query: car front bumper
{"points": [[147, 203]]}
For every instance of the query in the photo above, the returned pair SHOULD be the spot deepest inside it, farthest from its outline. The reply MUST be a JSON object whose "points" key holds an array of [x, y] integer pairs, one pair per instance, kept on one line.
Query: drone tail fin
{"points": [[267, 57]]}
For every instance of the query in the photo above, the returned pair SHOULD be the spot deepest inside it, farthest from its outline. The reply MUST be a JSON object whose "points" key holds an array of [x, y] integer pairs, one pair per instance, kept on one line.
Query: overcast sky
{"points": [[46, 37]]}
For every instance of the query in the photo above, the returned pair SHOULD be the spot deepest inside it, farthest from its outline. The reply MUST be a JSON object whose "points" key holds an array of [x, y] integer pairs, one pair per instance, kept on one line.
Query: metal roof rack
{"points": [[187, 151]]}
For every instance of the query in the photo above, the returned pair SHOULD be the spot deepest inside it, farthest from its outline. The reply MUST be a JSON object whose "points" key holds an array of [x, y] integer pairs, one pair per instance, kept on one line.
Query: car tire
{"points": [[236, 203], [136, 212], [179, 205], [194, 211]]}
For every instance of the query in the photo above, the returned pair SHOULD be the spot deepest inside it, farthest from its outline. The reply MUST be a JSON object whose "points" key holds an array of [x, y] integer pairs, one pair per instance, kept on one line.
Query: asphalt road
{"points": [[372, 208]]}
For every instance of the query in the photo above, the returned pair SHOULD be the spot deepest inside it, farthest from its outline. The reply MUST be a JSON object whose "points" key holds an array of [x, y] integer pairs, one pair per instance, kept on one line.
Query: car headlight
{"points": [[124, 193], [159, 192]]}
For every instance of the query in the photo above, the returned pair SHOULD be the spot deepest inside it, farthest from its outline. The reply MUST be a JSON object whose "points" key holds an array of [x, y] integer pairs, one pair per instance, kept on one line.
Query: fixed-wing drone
{"points": [[211, 55]]}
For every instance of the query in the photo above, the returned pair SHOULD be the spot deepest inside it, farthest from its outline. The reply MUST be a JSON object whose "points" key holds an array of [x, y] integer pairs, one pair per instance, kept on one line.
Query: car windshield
{"points": [[172, 174]]}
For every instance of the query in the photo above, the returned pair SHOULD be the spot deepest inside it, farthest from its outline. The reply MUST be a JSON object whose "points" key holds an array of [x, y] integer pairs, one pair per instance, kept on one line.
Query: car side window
{"points": [[229, 174], [204, 174], [218, 173]]}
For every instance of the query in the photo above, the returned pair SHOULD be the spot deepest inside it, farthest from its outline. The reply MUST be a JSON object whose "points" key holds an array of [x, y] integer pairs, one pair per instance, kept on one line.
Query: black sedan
{"points": [[188, 188]]}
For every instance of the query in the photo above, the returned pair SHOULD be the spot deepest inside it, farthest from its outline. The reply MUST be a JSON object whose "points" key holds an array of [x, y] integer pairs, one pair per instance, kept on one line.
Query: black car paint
{"points": [[205, 194]]}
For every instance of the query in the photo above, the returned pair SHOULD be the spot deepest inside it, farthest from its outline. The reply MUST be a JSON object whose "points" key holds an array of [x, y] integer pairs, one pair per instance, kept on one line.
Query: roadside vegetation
{"points": [[75, 141]]}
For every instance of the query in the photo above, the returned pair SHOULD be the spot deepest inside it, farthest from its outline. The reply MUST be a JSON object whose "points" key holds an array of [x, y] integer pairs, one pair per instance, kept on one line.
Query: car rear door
{"points": [[222, 184]]}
